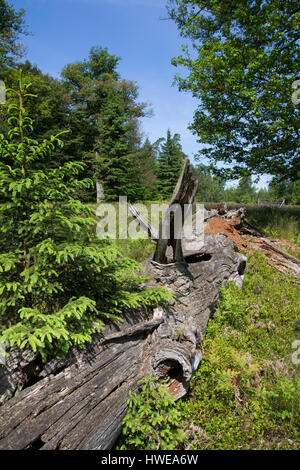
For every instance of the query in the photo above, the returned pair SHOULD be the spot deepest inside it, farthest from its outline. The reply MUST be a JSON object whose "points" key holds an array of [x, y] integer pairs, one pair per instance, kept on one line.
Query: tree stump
{"points": [[170, 228]]}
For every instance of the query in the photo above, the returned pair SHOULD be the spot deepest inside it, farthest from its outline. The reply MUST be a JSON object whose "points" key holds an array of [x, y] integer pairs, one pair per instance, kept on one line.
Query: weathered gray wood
{"points": [[152, 232], [79, 402], [184, 193], [81, 405], [100, 192], [281, 252], [20, 367]]}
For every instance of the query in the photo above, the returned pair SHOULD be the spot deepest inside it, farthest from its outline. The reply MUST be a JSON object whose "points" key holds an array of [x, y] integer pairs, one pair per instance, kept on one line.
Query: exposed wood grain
{"points": [[281, 252], [79, 402], [152, 232], [169, 231]]}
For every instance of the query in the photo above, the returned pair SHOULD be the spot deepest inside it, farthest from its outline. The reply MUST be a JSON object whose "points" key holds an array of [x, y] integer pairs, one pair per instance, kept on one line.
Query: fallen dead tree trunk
{"points": [[281, 252], [80, 402], [248, 238]]}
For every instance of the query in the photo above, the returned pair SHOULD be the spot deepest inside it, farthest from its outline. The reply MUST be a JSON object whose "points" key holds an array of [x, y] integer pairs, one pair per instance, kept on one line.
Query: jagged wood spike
{"points": [[79, 402], [184, 193], [152, 232]]}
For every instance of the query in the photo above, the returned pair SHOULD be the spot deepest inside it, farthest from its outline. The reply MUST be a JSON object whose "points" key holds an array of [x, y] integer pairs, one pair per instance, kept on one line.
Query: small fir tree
{"points": [[59, 282], [153, 419]]}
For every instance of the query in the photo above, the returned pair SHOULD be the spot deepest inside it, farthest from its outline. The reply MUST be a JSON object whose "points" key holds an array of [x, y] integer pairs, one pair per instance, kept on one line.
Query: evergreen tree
{"points": [[59, 282], [210, 188], [101, 113], [263, 193], [145, 168], [230, 194], [105, 116], [118, 144], [170, 159], [245, 193], [284, 189], [295, 197]]}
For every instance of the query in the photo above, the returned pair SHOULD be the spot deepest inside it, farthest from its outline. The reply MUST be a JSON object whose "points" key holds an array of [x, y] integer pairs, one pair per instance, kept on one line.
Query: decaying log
{"points": [[79, 402], [276, 257], [249, 238], [281, 252]]}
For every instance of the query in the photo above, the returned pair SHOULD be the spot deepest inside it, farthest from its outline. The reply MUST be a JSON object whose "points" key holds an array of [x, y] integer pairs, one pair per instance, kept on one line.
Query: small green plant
{"points": [[153, 420], [179, 334]]}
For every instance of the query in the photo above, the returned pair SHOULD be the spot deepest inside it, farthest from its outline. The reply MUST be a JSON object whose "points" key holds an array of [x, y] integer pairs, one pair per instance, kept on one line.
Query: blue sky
{"points": [[65, 30], [135, 30]]}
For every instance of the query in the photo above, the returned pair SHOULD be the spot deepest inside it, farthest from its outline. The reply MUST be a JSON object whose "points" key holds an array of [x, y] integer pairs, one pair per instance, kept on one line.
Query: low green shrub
{"points": [[245, 394], [153, 420]]}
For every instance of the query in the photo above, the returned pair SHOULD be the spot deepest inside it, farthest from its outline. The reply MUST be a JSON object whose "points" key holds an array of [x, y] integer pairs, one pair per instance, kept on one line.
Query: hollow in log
{"points": [[79, 402]]}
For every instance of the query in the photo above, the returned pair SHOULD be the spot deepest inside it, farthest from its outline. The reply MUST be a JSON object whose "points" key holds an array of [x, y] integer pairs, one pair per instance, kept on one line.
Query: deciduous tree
{"points": [[242, 63], [12, 25]]}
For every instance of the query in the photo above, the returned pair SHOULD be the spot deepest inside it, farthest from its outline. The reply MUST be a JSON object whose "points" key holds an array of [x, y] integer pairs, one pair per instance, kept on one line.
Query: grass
{"points": [[245, 394], [275, 222], [138, 249], [294, 253], [138, 245], [283, 223]]}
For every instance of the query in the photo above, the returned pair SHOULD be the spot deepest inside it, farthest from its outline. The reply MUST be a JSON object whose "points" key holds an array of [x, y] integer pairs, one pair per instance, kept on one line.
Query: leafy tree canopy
{"points": [[242, 63], [12, 25]]}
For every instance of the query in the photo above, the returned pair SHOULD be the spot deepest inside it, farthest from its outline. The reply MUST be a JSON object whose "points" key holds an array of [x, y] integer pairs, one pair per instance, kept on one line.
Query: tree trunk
{"points": [[80, 402], [100, 192], [172, 222]]}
